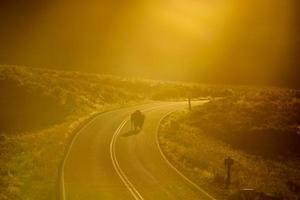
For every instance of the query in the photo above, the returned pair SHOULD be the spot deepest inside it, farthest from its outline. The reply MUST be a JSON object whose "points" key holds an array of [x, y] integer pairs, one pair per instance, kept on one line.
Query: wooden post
{"points": [[190, 103], [228, 163]]}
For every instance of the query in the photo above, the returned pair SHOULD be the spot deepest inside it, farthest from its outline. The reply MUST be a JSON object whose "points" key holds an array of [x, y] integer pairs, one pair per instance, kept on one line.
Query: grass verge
{"points": [[199, 154]]}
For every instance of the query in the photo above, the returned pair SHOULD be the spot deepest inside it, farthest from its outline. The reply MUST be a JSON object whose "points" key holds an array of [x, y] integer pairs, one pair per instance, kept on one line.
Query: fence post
{"points": [[228, 164], [190, 103]]}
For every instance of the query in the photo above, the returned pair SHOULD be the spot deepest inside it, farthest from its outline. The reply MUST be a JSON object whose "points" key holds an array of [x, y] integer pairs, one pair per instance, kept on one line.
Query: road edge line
{"points": [[68, 151], [172, 166]]}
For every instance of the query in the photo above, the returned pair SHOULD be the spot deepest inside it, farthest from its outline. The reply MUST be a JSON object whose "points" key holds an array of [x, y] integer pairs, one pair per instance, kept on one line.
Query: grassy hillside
{"points": [[33, 98], [258, 128], [261, 122], [40, 109]]}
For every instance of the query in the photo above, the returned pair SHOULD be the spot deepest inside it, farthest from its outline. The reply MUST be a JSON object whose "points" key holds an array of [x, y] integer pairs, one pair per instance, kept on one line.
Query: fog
{"points": [[227, 42]]}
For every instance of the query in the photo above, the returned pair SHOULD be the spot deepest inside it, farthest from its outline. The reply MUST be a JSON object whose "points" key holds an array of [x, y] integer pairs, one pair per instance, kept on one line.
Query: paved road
{"points": [[107, 161]]}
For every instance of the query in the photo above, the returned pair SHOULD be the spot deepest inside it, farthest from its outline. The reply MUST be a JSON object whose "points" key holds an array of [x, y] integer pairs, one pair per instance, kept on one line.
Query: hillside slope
{"points": [[259, 128], [35, 98], [41, 108]]}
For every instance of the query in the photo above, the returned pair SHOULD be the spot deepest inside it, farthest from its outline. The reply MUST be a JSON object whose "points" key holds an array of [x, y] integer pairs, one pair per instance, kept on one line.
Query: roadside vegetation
{"points": [[258, 127], [41, 108]]}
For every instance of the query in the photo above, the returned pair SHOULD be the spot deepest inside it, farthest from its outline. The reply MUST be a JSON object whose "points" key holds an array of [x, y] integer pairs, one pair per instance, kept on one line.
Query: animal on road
{"points": [[137, 120]]}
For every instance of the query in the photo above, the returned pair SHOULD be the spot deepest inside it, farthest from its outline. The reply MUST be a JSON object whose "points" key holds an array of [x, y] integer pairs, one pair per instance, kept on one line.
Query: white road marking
{"points": [[173, 167], [117, 167], [62, 175], [62, 193], [120, 172]]}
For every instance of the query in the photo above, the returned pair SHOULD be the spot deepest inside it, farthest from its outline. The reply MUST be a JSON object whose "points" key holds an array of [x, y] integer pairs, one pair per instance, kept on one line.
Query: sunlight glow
{"points": [[191, 40]]}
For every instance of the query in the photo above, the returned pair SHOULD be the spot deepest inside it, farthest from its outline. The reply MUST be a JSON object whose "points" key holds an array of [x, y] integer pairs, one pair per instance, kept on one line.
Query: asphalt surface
{"points": [[108, 161]]}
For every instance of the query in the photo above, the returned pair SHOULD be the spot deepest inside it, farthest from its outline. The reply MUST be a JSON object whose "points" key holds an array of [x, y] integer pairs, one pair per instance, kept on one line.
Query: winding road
{"points": [[107, 161]]}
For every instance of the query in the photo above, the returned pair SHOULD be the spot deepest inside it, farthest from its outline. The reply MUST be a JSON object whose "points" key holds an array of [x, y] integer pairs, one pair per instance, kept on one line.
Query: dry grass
{"points": [[200, 154]]}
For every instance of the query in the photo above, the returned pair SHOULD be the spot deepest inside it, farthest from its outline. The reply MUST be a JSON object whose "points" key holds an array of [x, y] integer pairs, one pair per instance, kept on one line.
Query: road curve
{"points": [[107, 161]]}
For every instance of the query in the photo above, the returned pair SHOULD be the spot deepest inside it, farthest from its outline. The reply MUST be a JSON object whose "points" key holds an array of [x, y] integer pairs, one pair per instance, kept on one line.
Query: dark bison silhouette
{"points": [[137, 120]]}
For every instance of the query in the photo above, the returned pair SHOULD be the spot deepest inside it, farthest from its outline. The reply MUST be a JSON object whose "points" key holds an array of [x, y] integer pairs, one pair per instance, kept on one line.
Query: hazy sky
{"points": [[214, 41]]}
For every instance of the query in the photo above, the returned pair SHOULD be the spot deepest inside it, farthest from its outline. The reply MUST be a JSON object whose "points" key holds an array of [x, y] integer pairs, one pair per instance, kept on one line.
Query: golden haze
{"points": [[231, 41]]}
